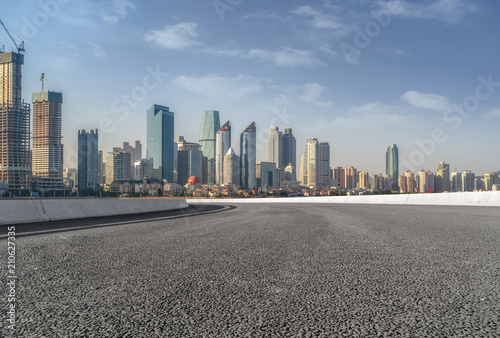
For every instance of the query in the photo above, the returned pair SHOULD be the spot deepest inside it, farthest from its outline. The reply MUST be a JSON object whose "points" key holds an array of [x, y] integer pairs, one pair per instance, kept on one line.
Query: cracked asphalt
{"points": [[260, 270]]}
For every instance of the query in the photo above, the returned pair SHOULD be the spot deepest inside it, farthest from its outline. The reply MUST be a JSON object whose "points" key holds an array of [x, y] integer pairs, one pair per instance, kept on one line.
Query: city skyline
{"points": [[273, 83]]}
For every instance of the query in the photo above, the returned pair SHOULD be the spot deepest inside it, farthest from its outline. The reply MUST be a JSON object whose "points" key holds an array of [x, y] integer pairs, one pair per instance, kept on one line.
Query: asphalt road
{"points": [[259, 270]]}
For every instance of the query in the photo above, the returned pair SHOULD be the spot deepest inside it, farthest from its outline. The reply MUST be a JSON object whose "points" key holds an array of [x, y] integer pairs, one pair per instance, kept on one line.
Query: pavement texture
{"points": [[298, 270]]}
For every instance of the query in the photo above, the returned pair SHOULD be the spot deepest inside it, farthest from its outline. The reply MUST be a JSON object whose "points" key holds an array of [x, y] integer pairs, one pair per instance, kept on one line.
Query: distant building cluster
{"points": [[173, 166]]}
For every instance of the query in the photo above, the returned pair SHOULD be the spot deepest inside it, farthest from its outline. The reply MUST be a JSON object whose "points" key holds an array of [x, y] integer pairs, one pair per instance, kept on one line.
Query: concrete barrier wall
{"points": [[487, 198], [40, 210]]}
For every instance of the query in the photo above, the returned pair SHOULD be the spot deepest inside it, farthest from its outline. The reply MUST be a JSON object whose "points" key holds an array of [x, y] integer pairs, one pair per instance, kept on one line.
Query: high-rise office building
{"points": [[210, 124], [15, 158], [88, 159], [468, 180], [248, 157], [456, 181], [490, 180], [161, 146], [222, 145], [290, 152], [266, 174], [110, 168], [138, 151], [324, 165], [351, 178], [392, 165], [143, 169], [304, 162], [313, 164], [275, 148], [190, 164], [47, 151], [122, 166], [442, 177], [231, 168]]}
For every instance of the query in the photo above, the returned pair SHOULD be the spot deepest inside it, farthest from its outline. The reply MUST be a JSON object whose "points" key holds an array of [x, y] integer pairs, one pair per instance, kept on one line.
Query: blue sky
{"points": [[359, 74]]}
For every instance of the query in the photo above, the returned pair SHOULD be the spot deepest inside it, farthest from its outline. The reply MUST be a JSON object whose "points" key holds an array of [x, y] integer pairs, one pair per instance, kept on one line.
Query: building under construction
{"points": [[47, 151], [15, 166]]}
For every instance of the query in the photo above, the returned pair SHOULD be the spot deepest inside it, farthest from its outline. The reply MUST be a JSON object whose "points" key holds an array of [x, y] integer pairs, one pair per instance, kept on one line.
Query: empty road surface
{"points": [[298, 270]]}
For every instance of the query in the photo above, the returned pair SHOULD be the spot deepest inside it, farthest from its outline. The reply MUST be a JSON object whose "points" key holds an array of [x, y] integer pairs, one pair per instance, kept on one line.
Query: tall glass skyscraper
{"points": [[161, 146], [275, 151], [392, 165], [290, 151], [248, 156], [210, 124], [88, 159], [222, 145]]}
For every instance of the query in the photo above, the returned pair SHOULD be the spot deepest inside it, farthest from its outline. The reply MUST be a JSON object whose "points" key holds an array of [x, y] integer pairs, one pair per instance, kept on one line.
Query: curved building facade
{"points": [[392, 165]]}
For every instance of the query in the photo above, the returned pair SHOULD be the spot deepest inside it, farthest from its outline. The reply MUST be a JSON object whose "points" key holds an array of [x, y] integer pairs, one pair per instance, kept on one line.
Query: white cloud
{"points": [[376, 108], [427, 101], [97, 50], [311, 92], [219, 87], [285, 57], [449, 11], [90, 13], [178, 36], [320, 19]]}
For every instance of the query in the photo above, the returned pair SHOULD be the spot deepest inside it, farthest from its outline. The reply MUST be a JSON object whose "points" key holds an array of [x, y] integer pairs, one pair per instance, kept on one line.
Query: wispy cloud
{"points": [[449, 11], [427, 101], [177, 36], [220, 87], [322, 19], [284, 57], [494, 112], [97, 50], [90, 13]]}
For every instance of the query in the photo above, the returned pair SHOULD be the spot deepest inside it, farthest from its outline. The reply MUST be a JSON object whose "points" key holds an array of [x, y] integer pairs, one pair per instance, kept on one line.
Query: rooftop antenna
{"points": [[42, 80]]}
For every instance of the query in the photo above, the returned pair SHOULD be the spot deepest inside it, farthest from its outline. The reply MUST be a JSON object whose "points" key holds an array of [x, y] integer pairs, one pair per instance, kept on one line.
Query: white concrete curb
{"points": [[487, 198], [40, 210]]}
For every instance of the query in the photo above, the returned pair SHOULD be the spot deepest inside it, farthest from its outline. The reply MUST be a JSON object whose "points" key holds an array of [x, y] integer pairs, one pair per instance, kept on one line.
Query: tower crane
{"points": [[20, 48]]}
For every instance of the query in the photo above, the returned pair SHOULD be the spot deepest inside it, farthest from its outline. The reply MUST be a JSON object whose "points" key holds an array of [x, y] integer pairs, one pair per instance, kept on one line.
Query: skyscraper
{"points": [[138, 151], [231, 168], [324, 164], [266, 174], [339, 175], [160, 147], [442, 182], [392, 165], [425, 181], [456, 181], [351, 178], [47, 151], [468, 180], [190, 160], [304, 180], [15, 159], [122, 166], [88, 159], [275, 153], [407, 182], [248, 156], [210, 124], [222, 145], [363, 180], [290, 151]]}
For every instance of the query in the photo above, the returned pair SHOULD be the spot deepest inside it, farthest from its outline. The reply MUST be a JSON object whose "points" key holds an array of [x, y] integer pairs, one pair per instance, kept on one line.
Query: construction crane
{"points": [[19, 48]]}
